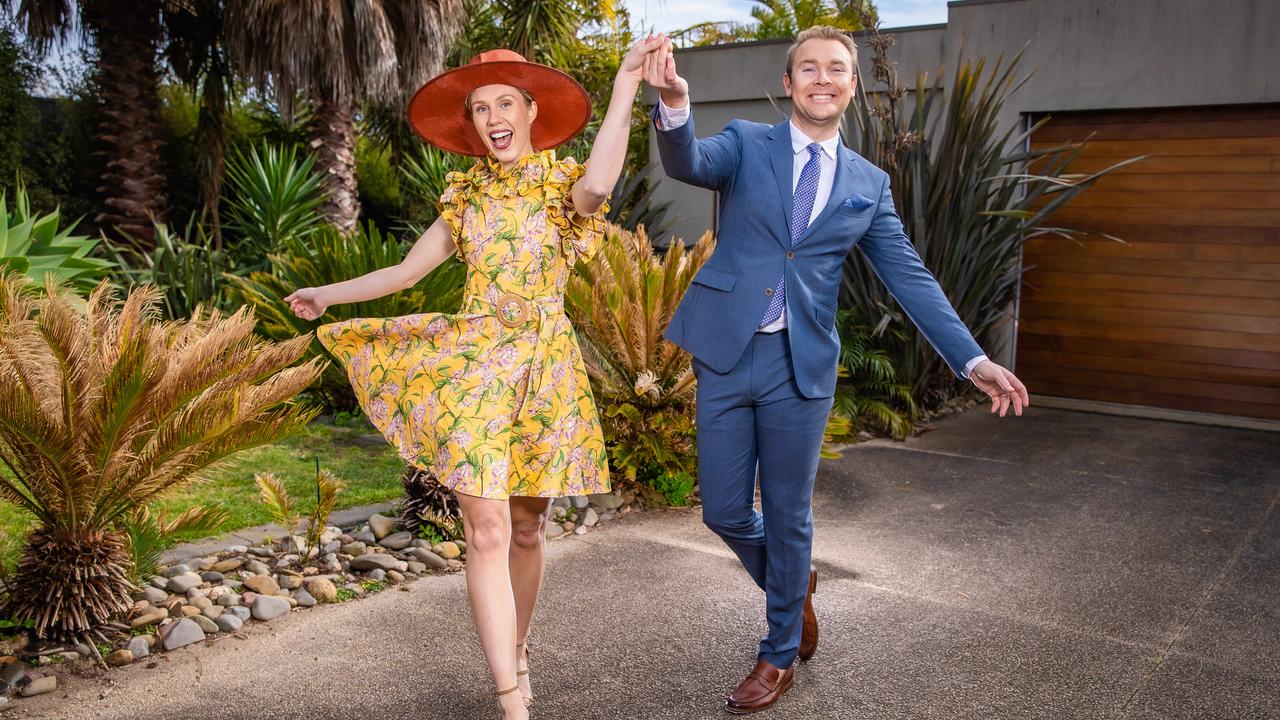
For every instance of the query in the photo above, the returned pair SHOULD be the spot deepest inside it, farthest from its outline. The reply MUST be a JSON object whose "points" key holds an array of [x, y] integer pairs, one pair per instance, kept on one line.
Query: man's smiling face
{"points": [[821, 80]]}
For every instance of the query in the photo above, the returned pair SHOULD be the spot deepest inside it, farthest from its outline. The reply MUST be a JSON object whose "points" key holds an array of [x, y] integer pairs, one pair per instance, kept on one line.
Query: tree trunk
{"points": [[212, 130], [126, 35], [333, 141]]}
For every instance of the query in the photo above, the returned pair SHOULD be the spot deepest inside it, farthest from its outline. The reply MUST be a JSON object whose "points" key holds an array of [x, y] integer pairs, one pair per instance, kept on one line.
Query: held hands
{"points": [[306, 303], [660, 74], [1002, 386], [635, 61]]}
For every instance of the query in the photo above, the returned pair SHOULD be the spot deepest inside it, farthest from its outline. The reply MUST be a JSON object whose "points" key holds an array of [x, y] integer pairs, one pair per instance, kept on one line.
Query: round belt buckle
{"points": [[513, 310]]}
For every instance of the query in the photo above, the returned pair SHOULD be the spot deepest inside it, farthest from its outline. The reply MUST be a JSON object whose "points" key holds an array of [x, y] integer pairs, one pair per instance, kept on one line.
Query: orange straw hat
{"points": [[437, 112]]}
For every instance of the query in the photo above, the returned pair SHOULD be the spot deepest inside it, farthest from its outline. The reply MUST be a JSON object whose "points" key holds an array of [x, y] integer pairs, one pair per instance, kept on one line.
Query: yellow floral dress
{"points": [[493, 399]]}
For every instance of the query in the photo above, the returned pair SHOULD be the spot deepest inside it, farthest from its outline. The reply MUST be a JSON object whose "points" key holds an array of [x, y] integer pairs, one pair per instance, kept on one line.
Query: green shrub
{"points": [[185, 268], [868, 393], [675, 488], [275, 197]]}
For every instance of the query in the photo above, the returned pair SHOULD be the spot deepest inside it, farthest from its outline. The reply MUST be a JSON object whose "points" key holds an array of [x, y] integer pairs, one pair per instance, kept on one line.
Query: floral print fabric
{"points": [[493, 399]]}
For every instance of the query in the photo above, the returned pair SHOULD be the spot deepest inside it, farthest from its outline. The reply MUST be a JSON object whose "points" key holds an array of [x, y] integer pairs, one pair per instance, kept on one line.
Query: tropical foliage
{"points": [[328, 256], [150, 534], [868, 393], [34, 245], [620, 302], [964, 200], [185, 268], [105, 408], [777, 19], [276, 196]]}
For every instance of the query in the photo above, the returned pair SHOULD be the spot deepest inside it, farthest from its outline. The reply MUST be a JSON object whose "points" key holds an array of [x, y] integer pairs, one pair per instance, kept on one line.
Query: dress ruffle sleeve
{"points": [[580, 235], [452, 206]]}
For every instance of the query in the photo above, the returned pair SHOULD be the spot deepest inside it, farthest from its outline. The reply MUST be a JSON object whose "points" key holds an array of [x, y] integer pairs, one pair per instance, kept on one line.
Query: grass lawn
{"points": [[371, 474]]}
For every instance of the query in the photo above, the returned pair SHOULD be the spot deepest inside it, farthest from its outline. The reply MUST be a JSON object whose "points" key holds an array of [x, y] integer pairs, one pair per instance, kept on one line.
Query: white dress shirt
{"points": [[672, 118]]}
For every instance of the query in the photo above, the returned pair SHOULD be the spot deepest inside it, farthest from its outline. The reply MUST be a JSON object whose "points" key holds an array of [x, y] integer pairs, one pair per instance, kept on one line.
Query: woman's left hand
{"points": [[633, 62]]}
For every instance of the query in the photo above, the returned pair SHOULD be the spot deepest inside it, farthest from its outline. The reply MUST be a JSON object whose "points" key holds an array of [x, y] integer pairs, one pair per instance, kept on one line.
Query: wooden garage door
{"points": [[1186, 313]]}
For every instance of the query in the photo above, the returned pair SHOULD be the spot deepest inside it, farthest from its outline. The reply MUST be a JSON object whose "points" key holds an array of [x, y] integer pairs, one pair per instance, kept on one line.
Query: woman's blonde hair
{"points": [[823, 32]]}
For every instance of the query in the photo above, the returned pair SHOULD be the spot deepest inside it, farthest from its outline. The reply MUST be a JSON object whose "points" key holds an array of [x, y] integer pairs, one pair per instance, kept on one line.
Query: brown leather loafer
{"points": [[761, 689], [809, 627]]}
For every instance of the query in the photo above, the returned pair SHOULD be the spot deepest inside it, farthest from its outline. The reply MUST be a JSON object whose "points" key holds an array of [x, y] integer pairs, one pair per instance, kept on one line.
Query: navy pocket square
{"points": [[857, 202]]}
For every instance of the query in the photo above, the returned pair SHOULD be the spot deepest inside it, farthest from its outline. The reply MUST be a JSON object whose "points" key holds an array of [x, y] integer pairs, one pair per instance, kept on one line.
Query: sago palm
{"points": [[620, 303], [336, 54], [104, 408]]}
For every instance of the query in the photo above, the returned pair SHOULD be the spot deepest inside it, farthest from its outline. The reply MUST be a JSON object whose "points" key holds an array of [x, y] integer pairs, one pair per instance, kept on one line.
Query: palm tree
{"points": [[336, 54], [126, 34]]}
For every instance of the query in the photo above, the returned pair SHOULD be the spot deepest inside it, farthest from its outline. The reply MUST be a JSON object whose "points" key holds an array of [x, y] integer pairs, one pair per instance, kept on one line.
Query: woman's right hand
{"points": [[660, 74], [306, 303]]}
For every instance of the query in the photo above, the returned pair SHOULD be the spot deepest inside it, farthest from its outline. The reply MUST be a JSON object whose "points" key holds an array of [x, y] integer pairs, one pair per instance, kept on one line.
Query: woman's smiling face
{"points": [[503, 116]]}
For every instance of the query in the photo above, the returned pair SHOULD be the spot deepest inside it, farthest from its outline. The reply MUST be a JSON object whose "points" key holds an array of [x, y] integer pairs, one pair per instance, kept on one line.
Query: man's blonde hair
{"points": [[823, 32]]}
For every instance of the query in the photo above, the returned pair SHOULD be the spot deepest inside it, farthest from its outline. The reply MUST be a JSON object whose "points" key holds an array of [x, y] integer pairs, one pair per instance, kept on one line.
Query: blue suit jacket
{"points": [[750, 165]]}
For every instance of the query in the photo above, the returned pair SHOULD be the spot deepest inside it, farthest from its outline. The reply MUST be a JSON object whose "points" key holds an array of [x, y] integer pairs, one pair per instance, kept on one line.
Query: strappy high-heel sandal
{"points": [[508, 691], [528, 656]]}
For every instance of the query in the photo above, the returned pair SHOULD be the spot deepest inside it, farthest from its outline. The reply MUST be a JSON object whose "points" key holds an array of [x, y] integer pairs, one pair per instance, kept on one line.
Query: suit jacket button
{"points": [[768, 291], [791, 255]]}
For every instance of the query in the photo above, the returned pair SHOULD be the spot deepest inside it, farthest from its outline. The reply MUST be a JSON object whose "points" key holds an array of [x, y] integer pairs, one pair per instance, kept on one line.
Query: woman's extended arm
{"points": [[432, 248]]}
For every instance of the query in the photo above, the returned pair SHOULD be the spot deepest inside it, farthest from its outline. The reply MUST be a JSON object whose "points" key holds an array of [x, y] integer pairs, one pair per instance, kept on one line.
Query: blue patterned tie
{"points": [[801, 207]]}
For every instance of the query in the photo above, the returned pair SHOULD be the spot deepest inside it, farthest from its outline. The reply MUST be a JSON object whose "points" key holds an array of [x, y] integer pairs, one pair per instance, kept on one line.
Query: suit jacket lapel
{"points": [[781, 155], [841, 187]]}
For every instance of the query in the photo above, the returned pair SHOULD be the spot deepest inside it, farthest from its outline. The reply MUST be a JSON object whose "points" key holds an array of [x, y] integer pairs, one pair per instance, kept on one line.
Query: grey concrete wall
{"points": [[1086, 54]]}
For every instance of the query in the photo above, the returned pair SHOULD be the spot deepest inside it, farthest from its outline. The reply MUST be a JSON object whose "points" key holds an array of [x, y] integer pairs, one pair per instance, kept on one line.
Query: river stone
{"points": [[394, 576], [330, 534], [269, 607], [554, 531], [201, 603], [378, 574], [227, 600], [176, 570], [608, 501], [381, 525], [428, 558], [354, 549], [153, 615], [214, 578], [238, 611], [139, 647], [371, 561], [154, 595], [560, 502], [196, 592], [416, 567], [212, 612], [321, 589], [183, 633], [262, 551], [157, 581], [226, 566], [119, 658], [290, 580], [179, 584], [257, 567], [190, 611], [262, 584], [590, 518], [228, 623], [397, 541], [303, 598], [40, 686], [365, 537], [206, 624], [579, 501], [448, 550]]}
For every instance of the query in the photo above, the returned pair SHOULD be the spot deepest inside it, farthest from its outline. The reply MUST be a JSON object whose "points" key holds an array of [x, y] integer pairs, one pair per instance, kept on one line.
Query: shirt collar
{"points": [[800, 141]]}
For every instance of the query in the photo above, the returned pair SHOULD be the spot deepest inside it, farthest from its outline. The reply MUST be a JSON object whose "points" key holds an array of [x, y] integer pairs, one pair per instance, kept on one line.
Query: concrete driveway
{"points": [[1061, 565]]}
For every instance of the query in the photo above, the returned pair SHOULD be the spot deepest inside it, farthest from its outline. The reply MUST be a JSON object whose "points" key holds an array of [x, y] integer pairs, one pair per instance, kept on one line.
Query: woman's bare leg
{"points": [[487, 526], [527, 562]]}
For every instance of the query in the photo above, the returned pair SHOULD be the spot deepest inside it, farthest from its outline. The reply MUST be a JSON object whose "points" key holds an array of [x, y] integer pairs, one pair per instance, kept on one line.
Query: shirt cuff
{"points": [[671, 118], [969, 366]]}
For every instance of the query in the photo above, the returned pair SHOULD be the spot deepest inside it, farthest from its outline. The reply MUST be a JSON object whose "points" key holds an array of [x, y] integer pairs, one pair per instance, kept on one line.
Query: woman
{"points": [[494, 400]]}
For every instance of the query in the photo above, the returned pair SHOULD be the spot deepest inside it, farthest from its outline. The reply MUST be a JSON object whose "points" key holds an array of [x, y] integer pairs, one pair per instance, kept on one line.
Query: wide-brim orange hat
{"points": [[437, 111]]}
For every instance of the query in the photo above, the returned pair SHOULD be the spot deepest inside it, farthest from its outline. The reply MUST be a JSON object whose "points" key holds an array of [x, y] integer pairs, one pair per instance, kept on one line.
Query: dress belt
{"points": [[513, 310]]}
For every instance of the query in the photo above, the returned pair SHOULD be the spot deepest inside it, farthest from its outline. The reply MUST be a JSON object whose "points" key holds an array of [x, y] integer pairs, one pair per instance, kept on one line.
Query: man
{"points": [[759, 320]]}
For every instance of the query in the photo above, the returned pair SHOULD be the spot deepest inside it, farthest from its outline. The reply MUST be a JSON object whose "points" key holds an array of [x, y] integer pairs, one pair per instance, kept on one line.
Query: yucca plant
{"points": [[34, 245], [429, 506], [184, 267], [275, 196], [620, 303], [151, 534], [966, 200], [105, 408], [329, 256]]}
